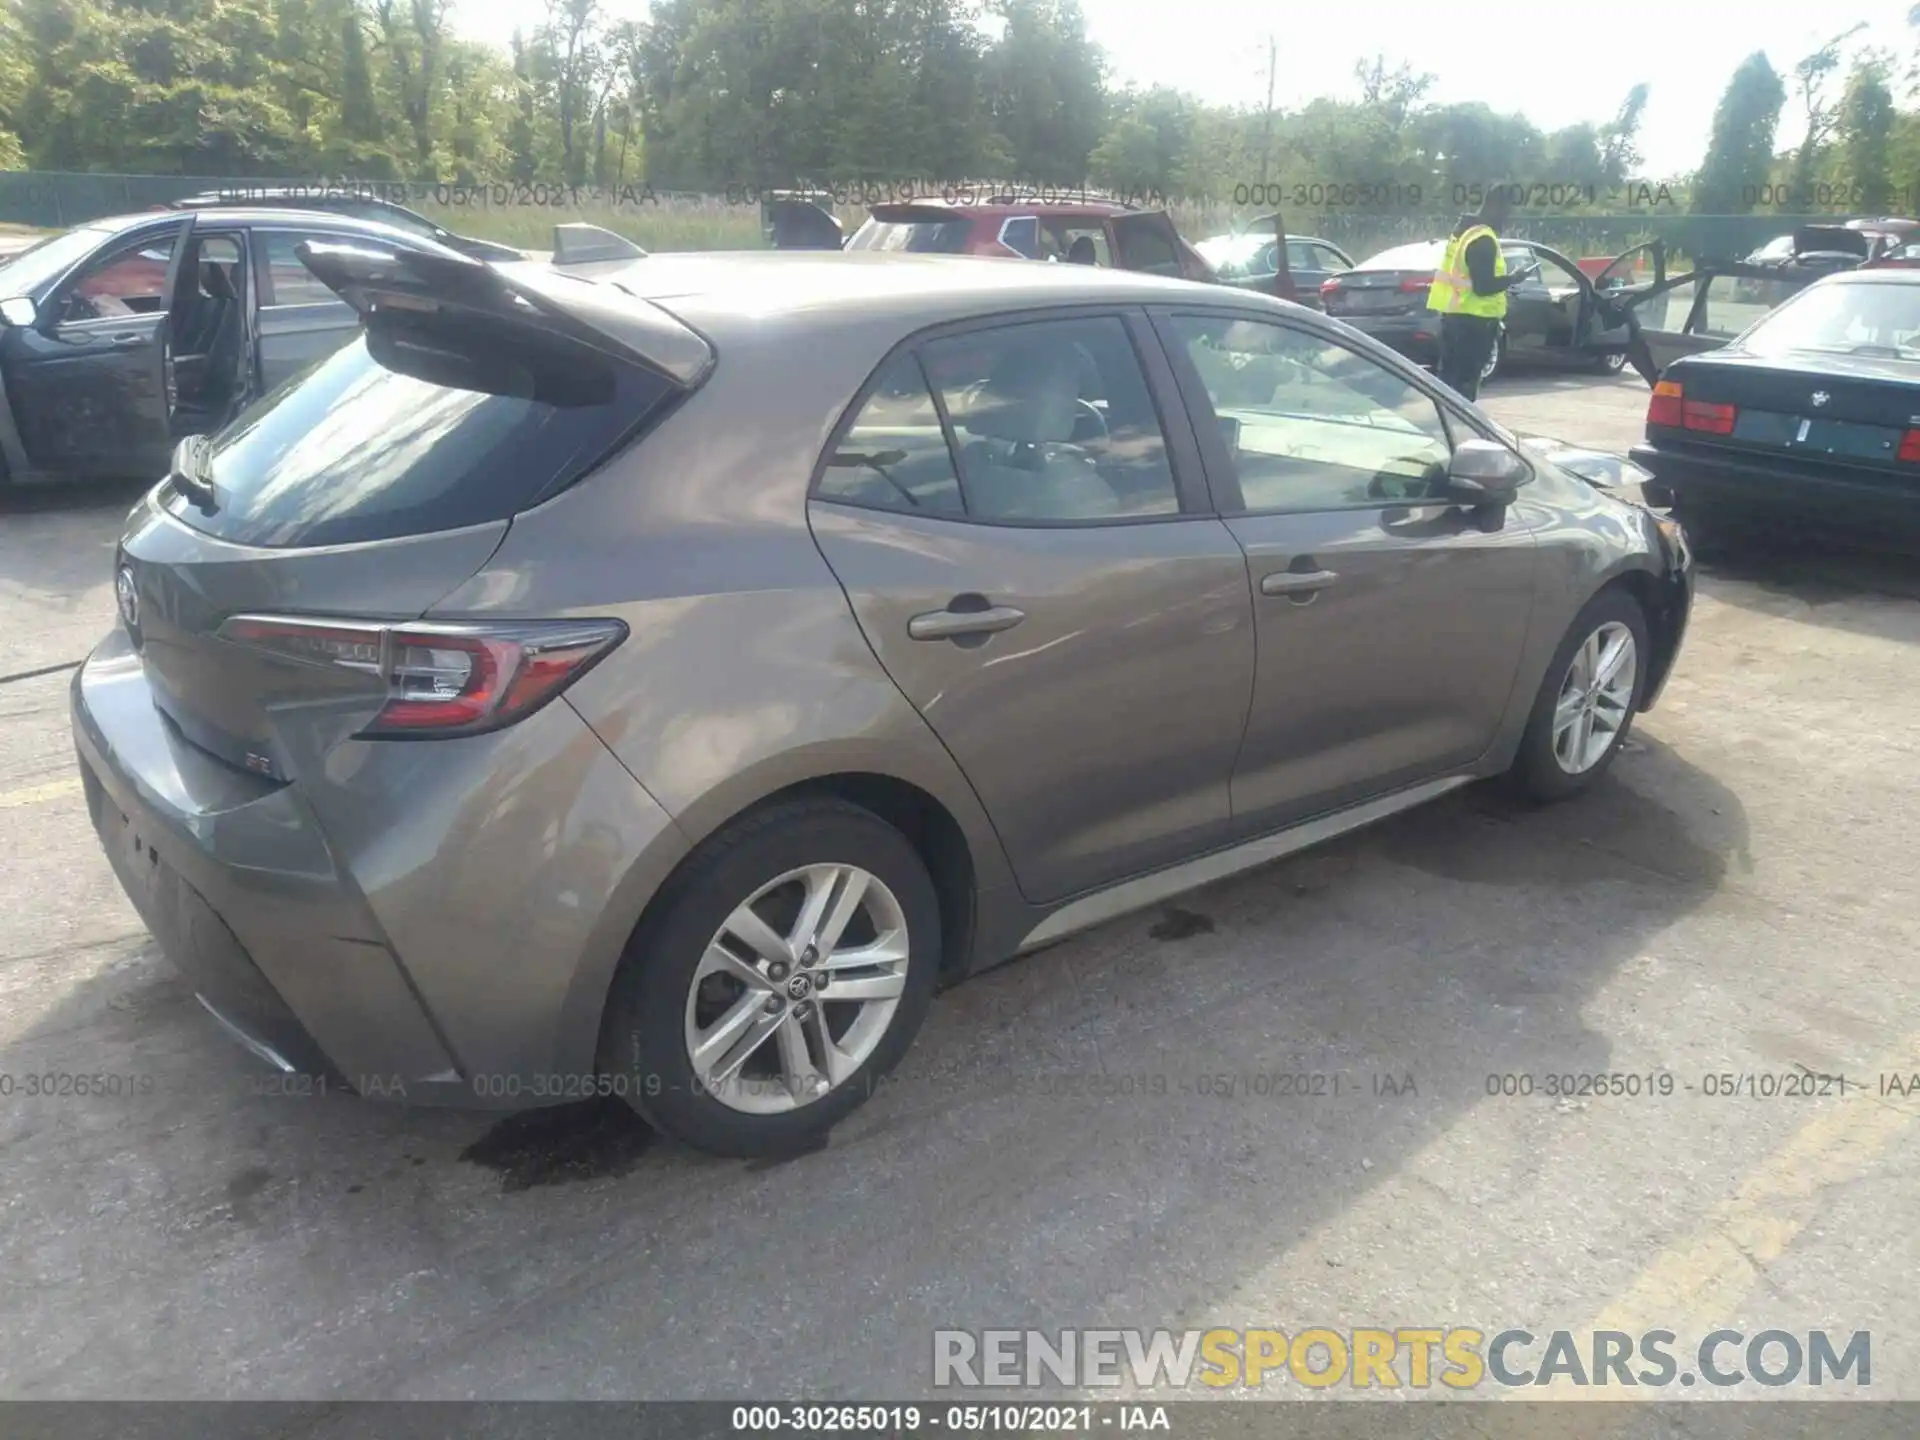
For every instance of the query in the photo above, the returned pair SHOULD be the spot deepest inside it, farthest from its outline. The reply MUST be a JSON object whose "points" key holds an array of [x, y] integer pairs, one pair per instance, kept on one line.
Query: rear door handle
{"points": [[1292, 582], [951, 624]]}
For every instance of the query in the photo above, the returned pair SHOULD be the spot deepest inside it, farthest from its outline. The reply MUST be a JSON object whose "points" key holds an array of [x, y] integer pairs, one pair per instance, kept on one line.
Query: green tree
{"points": [[1865, 127], [1045, 89], [1740, 146]]}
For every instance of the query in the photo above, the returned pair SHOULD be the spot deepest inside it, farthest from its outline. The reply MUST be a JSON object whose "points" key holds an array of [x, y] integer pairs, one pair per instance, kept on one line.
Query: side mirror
{"points": [[1485, 473], [19, 311]]}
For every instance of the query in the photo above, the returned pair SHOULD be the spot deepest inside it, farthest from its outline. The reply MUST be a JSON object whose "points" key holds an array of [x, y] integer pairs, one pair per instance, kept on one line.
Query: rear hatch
{"points": [[256, 581]]}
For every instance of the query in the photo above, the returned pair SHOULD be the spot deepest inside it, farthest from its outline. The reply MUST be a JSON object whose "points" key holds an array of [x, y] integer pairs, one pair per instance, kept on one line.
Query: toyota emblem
{"points": [[129, 598], [1820, 397], [800, 987]]}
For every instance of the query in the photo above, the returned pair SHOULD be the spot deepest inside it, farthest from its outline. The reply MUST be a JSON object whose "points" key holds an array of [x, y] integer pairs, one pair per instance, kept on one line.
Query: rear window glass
{"points": [[939, 237], [410, 429]]}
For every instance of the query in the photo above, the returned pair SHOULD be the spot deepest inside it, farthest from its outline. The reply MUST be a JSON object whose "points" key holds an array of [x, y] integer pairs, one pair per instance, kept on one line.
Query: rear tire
{"points": [[701, 1026], [1584, 710], [1497, 361]]}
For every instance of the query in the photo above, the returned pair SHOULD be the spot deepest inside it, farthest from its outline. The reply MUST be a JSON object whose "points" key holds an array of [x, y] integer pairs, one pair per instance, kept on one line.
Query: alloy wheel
{"points": [[1596, 698], [796, 989]]}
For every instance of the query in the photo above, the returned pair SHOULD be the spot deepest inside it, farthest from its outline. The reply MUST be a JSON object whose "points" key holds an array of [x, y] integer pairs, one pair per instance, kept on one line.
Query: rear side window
{"points": [[410, 429]]}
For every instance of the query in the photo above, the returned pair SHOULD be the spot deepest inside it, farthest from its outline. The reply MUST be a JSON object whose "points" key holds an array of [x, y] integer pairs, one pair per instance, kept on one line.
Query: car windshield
{"points": [[937, 237], [1847, 318], [1423, 255], [37, 264]]}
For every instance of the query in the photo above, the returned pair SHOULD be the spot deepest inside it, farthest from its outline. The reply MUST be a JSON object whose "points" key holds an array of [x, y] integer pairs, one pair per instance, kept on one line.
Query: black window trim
{"points": [[1222, 479], [1163, 392]]}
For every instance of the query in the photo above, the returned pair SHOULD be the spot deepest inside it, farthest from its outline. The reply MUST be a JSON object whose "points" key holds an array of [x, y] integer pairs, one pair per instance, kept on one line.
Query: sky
{"points": [[1556, 65]]}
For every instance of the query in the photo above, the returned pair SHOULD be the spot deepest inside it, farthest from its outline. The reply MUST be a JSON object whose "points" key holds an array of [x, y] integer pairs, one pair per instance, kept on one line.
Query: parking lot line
{"points": [[1697, 1283], [39, 794]]}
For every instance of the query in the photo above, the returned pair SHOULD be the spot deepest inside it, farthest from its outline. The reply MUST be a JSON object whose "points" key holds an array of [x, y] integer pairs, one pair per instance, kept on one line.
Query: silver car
{"points": [[657, 675]]}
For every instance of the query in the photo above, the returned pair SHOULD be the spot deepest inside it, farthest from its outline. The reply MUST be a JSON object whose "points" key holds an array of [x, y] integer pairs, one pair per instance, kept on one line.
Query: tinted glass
{"points": [[1881, 319], [895, 456], [405, 431], [1312, 425], [291, 282], [126, 282], [945, 237], [1054, 421], [1148, 245], [41, 262]]}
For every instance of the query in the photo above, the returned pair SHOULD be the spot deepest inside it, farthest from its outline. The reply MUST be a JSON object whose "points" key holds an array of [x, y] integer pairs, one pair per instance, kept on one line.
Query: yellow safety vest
{"points": [[1452, 290]]}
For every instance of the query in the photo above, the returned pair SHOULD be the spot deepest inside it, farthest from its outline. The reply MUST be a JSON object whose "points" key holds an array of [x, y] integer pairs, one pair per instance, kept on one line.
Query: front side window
{"points": [[1054, 422], [1022, 233], [1311, 425], [128, 282]]}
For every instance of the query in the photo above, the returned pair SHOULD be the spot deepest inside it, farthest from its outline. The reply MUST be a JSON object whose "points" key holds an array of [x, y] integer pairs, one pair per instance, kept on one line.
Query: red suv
{"points": [[1088, 232]]}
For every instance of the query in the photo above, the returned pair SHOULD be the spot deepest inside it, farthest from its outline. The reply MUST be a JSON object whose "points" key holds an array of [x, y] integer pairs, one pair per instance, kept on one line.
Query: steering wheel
{"points": [[1089, 411]]}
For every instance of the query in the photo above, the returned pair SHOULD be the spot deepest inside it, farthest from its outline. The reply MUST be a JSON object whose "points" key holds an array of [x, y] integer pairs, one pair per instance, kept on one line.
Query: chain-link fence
{"points": [[669, 220]]}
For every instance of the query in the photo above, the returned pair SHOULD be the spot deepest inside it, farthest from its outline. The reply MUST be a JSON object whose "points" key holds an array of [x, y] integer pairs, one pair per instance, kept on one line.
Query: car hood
{"points": [[1603, 469]]}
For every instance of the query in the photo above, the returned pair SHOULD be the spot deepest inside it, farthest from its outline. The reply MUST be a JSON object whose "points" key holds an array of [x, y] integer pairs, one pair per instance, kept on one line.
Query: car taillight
{"points": [[1712, 419], [1910, 448], [442, 680], [1418, 285], [1668, 405]]}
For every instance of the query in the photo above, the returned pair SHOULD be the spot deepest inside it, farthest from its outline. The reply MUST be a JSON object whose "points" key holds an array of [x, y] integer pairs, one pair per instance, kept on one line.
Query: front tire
{"points": [[781, 975], [1586, 704]]}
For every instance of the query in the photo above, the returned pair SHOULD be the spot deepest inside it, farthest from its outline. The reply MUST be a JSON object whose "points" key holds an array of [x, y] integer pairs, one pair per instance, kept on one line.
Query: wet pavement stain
{"points": [[587, 1141], [1176, 923]]}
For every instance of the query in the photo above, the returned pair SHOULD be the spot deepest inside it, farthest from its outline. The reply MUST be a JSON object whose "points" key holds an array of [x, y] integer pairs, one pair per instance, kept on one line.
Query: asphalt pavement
{"points": [[1738, 899]]}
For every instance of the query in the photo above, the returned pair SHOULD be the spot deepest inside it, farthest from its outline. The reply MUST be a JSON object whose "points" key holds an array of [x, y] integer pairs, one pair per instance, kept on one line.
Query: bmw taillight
{"points": [[441, 680], [1909, 448], [1670, 407], [1416, 285]]}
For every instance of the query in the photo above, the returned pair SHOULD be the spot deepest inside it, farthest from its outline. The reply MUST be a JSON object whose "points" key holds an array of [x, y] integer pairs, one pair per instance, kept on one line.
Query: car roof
{"points": [[999, 208], [907, 291], [243, 215]]}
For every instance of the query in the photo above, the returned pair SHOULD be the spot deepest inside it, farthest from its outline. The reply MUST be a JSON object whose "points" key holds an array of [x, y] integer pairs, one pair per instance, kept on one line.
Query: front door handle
{"points": [[953, 624], [1294, 582], [125, 339]]}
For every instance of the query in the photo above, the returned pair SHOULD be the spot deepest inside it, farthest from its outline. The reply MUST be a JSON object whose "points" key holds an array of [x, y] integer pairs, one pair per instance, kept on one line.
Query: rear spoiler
{"points": [[424, 280]]}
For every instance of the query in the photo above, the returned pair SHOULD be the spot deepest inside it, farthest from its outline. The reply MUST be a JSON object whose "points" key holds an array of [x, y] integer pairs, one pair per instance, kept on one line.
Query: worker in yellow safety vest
{"points": [[1469, 291]]}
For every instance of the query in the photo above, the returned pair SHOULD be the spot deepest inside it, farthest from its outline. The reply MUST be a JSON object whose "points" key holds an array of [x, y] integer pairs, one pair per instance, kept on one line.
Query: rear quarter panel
{"points": [[745, 672]]}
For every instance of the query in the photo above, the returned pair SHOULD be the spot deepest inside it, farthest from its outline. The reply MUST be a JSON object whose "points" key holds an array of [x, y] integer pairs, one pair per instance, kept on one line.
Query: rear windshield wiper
{"points": [[192, 473]]}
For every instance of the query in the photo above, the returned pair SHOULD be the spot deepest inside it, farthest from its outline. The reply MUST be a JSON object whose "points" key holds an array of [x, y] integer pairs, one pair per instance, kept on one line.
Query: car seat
{"points": [[1083, 251], [1019, 463]]}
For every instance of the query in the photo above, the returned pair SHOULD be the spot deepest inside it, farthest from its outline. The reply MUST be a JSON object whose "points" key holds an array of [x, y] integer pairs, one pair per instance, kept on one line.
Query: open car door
{"points": [[795, 224], [1149, 241], [1706, 308]]}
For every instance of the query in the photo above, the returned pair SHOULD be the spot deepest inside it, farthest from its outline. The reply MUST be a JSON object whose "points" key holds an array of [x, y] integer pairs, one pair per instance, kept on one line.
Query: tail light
{"points": [[1328, 287], [1671, 408], [1910, 448], [442, 680], [1416, 285]]}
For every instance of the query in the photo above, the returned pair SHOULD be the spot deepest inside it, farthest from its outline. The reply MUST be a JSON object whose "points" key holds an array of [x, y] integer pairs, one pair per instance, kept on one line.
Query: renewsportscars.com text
{"points": [[1396, 1357]]}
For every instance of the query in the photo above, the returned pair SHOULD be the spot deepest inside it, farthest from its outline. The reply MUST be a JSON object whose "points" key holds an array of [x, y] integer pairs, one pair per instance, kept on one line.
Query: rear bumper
{"points": [[1759, 491], [1416, 337], [373, 931]]}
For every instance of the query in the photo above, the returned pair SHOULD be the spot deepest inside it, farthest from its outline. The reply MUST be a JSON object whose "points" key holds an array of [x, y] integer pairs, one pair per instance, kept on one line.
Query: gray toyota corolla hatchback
{"points": [[656, 675]]}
